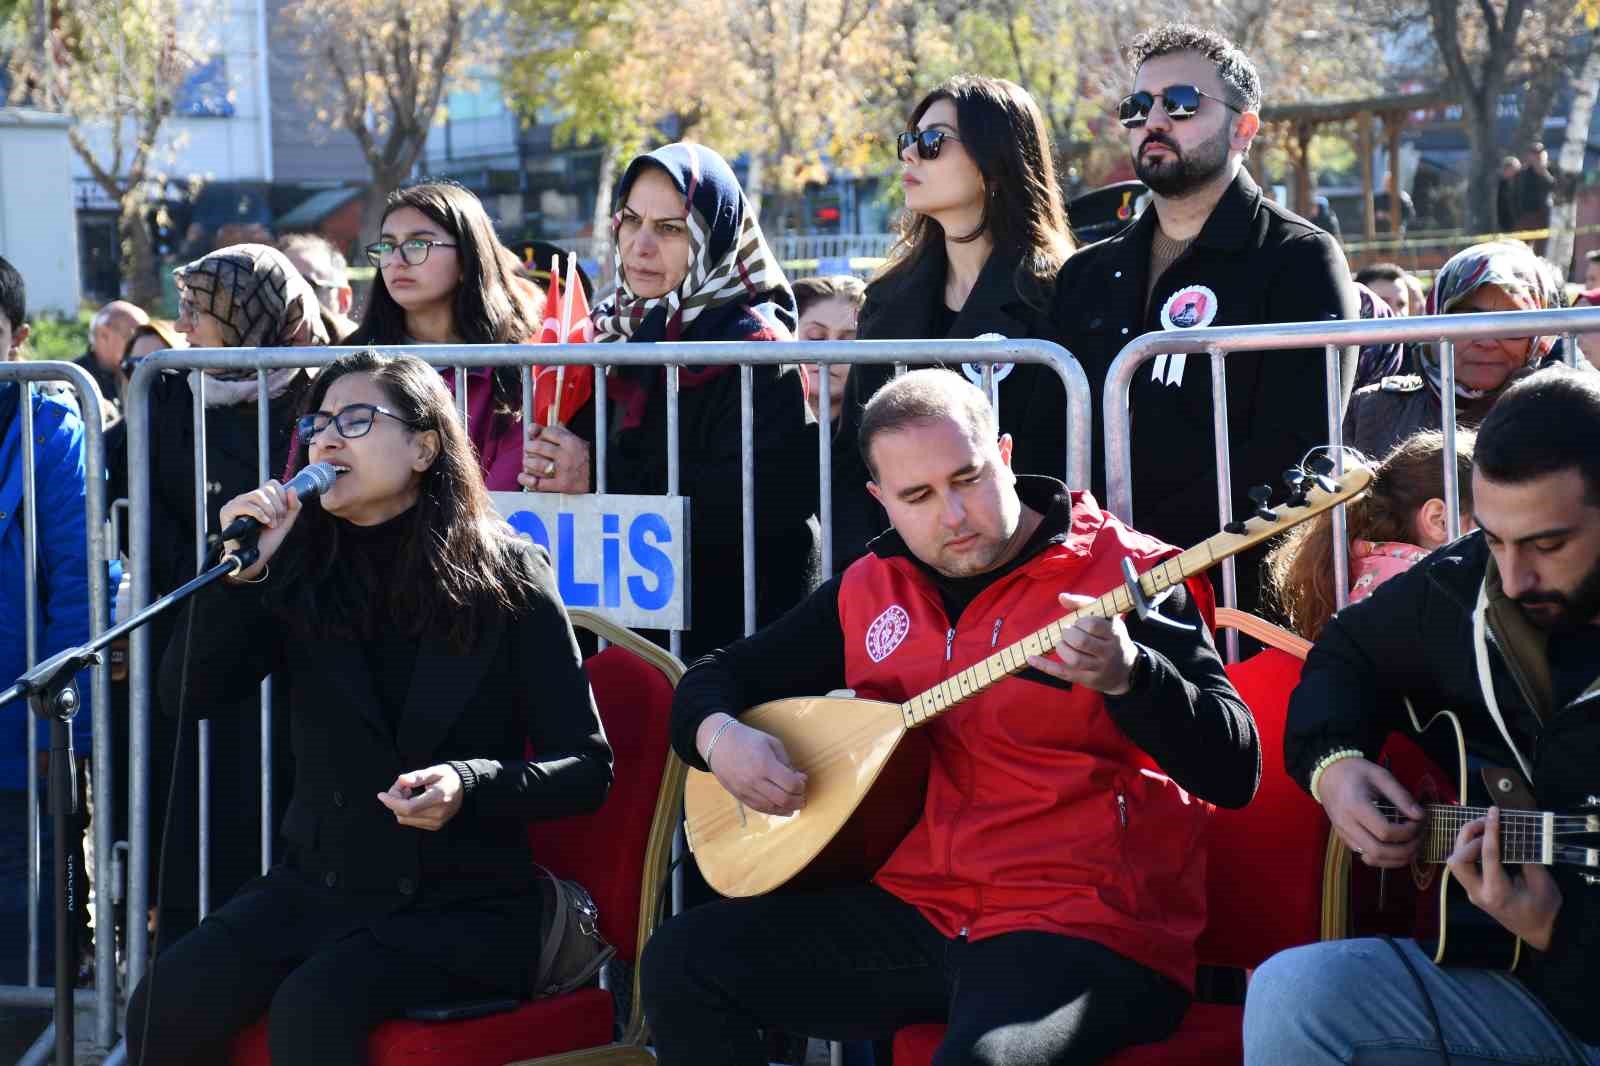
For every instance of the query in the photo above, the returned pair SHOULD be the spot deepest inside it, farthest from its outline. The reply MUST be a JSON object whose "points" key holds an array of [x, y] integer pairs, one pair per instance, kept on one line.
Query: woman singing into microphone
{"points": [[425, 649]]}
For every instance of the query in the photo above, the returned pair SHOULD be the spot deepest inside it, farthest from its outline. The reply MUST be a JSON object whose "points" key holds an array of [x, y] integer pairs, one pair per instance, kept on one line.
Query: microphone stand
{"points": [[52, 693]]}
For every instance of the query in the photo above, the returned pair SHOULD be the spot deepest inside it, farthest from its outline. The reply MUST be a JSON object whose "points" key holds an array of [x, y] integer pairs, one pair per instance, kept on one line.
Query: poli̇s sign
{"points": [[624, 557]]}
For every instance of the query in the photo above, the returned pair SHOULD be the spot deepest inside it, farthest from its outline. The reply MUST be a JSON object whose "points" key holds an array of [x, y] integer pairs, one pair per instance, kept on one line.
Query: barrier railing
{"points": [[89, 403], [1220, 342], [746, 355]]}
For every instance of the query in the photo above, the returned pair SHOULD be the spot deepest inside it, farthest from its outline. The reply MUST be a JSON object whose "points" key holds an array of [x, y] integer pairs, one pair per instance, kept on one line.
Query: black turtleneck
{"points": [[391, 652]]}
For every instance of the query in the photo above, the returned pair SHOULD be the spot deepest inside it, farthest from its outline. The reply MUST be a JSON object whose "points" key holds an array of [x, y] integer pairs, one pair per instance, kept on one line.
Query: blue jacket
{"points": [[62, 563]]}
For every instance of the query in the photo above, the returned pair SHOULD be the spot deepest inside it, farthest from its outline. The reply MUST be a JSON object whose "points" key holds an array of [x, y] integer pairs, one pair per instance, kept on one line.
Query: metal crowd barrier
{"points": [[746, 355], [89, 407], [1219, 343]]}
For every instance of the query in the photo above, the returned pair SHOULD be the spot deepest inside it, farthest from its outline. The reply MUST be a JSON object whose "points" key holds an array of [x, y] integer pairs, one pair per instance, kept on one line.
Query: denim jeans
{"points": [[1353, 1003]]}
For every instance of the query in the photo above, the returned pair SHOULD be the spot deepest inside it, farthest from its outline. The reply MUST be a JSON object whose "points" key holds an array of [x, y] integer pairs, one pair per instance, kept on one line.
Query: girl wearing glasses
{"points": [[425, 651], [441, 279], [692, 265], [983, 236]]}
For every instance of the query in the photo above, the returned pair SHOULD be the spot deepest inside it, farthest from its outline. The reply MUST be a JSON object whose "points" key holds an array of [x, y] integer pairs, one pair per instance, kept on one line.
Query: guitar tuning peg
{"points": [[1236, 527], [1261, 496], [1320, 464]]}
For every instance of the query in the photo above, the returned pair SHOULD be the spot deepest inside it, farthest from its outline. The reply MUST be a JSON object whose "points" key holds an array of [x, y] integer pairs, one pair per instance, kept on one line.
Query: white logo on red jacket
{"points": [[887, 632]]}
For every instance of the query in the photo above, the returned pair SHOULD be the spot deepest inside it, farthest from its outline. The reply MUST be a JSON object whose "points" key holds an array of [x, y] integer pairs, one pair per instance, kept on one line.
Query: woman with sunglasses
{"points": [[442, 279], [692, 265], [243, 296], [425, 651], [982, 239]]}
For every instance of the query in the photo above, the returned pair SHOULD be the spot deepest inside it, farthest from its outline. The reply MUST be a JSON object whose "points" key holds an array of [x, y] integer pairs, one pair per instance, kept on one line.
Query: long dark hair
{"points": [[486, 309], [1023, 213], [1300, 568], [458, 562]]}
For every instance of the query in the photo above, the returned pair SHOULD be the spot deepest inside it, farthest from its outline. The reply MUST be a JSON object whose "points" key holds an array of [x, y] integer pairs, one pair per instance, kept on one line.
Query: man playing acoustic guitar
{"points": [[1503, 628], [1047, 900]]}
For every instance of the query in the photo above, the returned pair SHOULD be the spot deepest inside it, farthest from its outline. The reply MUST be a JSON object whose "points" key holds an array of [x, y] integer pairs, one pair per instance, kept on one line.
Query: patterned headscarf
{"points": [[1510, 266], [1377, 361], [729, 261], [260, 301]]}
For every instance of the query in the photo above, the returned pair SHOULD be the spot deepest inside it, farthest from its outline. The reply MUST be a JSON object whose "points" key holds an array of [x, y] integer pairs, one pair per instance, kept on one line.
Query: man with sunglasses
{"points": [[1210, 251]]}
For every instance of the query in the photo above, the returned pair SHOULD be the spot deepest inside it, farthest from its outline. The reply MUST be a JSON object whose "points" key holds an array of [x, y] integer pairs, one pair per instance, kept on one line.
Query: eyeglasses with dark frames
{"points": [[352, 422], [413, 250], [928, 141], [1180, 102]]}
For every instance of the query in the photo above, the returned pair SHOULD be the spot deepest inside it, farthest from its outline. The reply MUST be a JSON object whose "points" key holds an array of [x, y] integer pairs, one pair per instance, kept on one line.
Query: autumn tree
{"points": [[382, 69], [115, 69], [613, 73]]}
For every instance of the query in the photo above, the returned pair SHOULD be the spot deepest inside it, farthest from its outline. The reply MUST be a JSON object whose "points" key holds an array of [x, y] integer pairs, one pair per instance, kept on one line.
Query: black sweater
{"points": [[1185, 714]]}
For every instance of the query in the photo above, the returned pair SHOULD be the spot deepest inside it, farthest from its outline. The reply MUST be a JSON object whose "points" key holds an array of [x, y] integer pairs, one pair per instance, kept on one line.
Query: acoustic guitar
{"points": [[847, 746], [1423, 900]]}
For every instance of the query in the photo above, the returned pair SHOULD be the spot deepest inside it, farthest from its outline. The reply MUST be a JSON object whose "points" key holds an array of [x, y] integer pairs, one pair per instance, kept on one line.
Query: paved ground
{"points": [[20, 1027]]}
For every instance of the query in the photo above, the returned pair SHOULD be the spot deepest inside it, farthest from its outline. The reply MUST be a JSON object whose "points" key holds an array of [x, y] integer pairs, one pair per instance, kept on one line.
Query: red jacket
{"points": [[1041, 814]]}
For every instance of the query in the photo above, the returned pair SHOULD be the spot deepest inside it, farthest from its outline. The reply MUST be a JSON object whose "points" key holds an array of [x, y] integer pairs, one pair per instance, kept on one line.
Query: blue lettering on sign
{"points": [[574, 593], [528, 524], [611, 558], [651, 590], [651, 559]]}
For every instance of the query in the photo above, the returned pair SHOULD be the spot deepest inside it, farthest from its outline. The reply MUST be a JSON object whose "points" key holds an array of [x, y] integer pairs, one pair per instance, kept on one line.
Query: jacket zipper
{"points": [[994, 638], [949, 643], [1122, 809]]}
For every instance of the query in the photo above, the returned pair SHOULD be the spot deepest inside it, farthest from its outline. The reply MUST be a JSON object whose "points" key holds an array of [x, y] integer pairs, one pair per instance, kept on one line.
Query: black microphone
{"points": [[311, 482]]}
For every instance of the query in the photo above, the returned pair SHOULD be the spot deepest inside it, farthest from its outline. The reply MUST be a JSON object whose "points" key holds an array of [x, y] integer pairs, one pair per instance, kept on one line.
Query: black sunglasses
{"points": [[351, 422], [1178, 101], [928, 141]]}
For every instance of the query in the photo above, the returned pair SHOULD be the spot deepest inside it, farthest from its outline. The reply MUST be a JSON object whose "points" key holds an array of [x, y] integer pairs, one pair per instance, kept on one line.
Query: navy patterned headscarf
{"points": [[730, 261]]}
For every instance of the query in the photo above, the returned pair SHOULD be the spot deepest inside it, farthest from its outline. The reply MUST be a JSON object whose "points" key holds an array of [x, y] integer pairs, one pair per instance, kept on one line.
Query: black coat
{"points": [[231, 469], [709, 474], [1413, 639], [1032, 398], [461, 896], [1263, 264]]}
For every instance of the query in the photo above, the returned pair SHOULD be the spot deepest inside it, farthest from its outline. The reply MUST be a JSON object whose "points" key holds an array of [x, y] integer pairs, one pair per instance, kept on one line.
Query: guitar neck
{"points": [[1013, 658], [1525, 836]]}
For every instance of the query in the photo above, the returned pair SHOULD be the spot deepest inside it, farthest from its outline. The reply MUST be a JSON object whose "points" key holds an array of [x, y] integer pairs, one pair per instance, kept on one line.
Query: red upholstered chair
{"points": [[633, 682], [1265, 869]]}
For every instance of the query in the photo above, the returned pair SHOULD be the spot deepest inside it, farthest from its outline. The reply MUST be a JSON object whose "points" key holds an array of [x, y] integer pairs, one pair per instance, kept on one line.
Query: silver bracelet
{"points": [[721, 729]]}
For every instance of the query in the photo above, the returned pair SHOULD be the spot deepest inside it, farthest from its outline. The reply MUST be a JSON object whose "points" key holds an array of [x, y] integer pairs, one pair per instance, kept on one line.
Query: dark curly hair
{"points": [[1239, 78]]}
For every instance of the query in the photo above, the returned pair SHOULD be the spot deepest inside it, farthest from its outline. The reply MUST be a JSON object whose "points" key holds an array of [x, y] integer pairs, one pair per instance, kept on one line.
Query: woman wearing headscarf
{"points": [[1496, 276], [692, 265], [244, 296]]}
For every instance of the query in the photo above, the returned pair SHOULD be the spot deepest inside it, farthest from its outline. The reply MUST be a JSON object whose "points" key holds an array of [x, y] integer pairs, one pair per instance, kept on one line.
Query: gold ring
{"points": [[550, 468]]}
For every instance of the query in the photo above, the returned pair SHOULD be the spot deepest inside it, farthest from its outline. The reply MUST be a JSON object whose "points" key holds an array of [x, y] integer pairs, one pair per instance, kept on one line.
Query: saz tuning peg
{"points": [[1321, 467], [1261, 495], [1298, 484]]}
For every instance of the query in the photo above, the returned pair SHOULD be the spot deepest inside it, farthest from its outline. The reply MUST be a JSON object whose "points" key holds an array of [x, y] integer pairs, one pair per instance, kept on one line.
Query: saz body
{"points": [[849, 748]]}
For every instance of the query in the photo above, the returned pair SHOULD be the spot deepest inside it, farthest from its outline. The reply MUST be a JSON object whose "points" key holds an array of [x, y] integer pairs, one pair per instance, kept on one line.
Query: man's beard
{"points": [[1180, 174], [1576, 608]]}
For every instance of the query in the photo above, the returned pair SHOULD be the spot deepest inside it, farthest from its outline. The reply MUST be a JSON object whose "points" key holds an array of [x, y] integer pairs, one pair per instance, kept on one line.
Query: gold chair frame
{"points": [[630, 1050]]}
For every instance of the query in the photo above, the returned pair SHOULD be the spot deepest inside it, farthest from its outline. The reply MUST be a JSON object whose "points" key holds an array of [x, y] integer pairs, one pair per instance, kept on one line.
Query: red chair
{"points": [[633, 682], [1265, 871]]}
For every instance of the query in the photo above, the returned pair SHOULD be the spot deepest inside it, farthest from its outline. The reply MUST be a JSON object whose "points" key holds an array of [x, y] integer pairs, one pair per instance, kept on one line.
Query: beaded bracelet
{"points": [[721, 729], [1327, 761]]}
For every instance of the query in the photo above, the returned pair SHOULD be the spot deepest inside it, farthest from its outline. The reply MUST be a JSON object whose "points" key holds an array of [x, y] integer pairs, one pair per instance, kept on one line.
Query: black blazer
{"points": [[461, 895], [1032, 398]]}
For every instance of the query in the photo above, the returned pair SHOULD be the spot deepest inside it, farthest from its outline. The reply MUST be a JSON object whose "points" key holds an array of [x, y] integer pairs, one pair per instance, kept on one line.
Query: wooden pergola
{"points": [[1303, 120]]}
